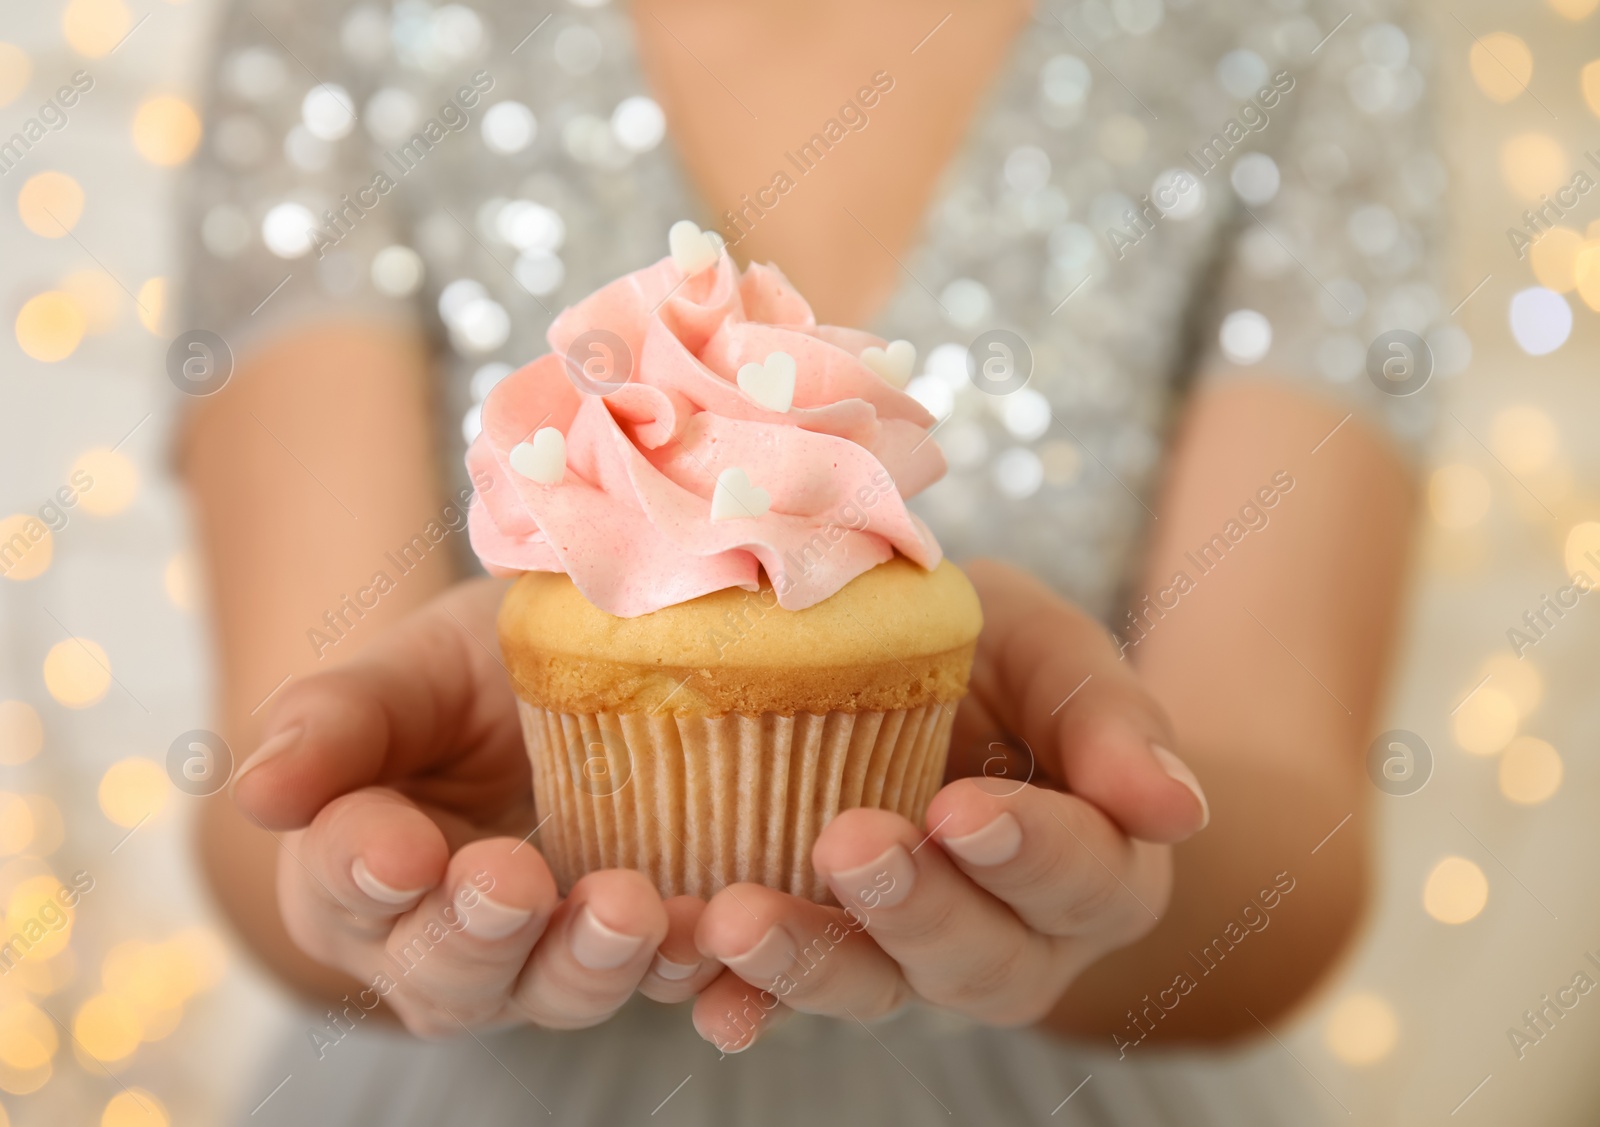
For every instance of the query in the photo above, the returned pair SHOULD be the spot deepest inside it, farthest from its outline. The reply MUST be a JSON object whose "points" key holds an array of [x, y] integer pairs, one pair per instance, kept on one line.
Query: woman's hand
{"points": [[1013, 887], [401, 794]]}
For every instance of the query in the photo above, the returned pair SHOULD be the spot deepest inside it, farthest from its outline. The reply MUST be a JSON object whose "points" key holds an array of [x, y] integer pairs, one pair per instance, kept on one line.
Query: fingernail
{"points": [[995, 843], [878, 884], [772, 956], [490, 919], [1179, 770], [724, 1047], [375, 888], [273, 748], [665, 968], [599, 947]]}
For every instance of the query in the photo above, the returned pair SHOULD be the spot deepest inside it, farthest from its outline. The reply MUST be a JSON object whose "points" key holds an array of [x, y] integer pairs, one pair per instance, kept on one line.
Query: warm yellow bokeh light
{"points": [[132, 790], [115, 481], [28, 1037], [49, 830], [1458, 494], [1574, 9], [15, 71], [1589, 80], [135, 1108], [21, 1082], [165, 130], [16, 824], [77, 672], [50, 204], [106, 1027], [35, 912], [93, 27], [50, 326], [1582, 551], [1501, 65], [98, 295], [1456, 891], [1517, 678], [151, 302], [26, 546], [1554, 259], [1534, 164], [21, 732], [1486, 721], [1524, 438], [1587, 272], [1530, 771], [1362, 1029], [178, 579]]}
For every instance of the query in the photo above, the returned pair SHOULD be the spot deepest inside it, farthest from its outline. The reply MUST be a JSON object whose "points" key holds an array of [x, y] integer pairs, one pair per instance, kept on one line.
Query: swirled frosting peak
{"points": [[710, 430]]}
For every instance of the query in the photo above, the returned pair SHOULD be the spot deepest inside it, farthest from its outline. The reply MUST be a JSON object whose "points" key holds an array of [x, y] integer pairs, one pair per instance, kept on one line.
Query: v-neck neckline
{"points": [[957, 170]]}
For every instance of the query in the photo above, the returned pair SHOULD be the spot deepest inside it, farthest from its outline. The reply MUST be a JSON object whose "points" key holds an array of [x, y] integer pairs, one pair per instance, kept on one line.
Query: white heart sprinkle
{"points": [[770, 384], [893, 363], [544, 459], [692, 249], [735, 498]]}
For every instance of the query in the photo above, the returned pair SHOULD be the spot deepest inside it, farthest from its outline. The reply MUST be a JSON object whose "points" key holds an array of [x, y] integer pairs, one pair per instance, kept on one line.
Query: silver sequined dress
{"points": [[1154, 193]]}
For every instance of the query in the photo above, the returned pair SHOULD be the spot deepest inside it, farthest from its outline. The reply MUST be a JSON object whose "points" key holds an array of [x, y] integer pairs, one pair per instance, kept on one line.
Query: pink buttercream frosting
{"points": [[630, 520]]}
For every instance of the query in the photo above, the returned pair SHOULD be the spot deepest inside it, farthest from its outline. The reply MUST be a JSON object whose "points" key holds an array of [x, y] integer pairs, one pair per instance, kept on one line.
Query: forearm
{"points": [[312, 465], [1270, 664]]}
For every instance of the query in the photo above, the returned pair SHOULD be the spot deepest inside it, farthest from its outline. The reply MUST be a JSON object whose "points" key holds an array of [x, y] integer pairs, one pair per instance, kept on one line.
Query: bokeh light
{"points": [[132, 790], [1517, 678], [26, 546], [93, 27], [1362, 1029], [1524, 438], [115, 477], [1501, 65], [1456, 891], [16, 824], [165, 130], [77, 672], [1530, 771], [21, 732], [50, 204], [1458, 495], [15, 71], [1554, 258], [98, 296], [178, 579], [1589, 81], [1485, 722], [1533, 164], [1583, 541], [1586, 271], [135, 1108], [1541, 320], [1574, 9], [106, 1027], [36, 903], [28, 1038], [49, 326], [152, 305], [49, 828]]}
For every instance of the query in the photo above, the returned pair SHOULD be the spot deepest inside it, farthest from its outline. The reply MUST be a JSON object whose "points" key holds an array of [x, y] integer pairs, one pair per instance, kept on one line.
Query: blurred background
{"points": [[133, 1009]]}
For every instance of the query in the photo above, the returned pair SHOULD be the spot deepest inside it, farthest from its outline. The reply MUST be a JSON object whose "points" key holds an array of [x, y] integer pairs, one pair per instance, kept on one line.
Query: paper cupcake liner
{"points": [[697, 803]]}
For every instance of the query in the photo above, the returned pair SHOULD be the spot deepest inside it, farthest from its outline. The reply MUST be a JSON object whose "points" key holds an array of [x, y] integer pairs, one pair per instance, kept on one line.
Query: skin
{"points": [[399, 746]]}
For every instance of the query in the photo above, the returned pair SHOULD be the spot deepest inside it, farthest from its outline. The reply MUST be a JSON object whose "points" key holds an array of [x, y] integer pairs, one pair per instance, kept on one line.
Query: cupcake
{"points": [[728, 626]]}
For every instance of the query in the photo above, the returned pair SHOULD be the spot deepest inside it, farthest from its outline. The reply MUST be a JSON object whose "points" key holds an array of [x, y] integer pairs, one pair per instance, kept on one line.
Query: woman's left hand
{"points": [[1013, 887]]}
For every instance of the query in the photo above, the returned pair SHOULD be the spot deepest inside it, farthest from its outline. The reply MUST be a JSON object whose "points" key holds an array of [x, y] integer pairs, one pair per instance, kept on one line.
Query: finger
{"points": [[596, 950], [956, 945], [1053, 859], [372, 856], [1050, 674], [432, 689], [813, 958], [456, 956], [733, 1015], [679, 971]]}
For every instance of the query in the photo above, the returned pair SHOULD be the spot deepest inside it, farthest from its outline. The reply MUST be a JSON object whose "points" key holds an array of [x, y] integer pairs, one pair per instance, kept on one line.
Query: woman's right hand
{"points": [[399, 789]]}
